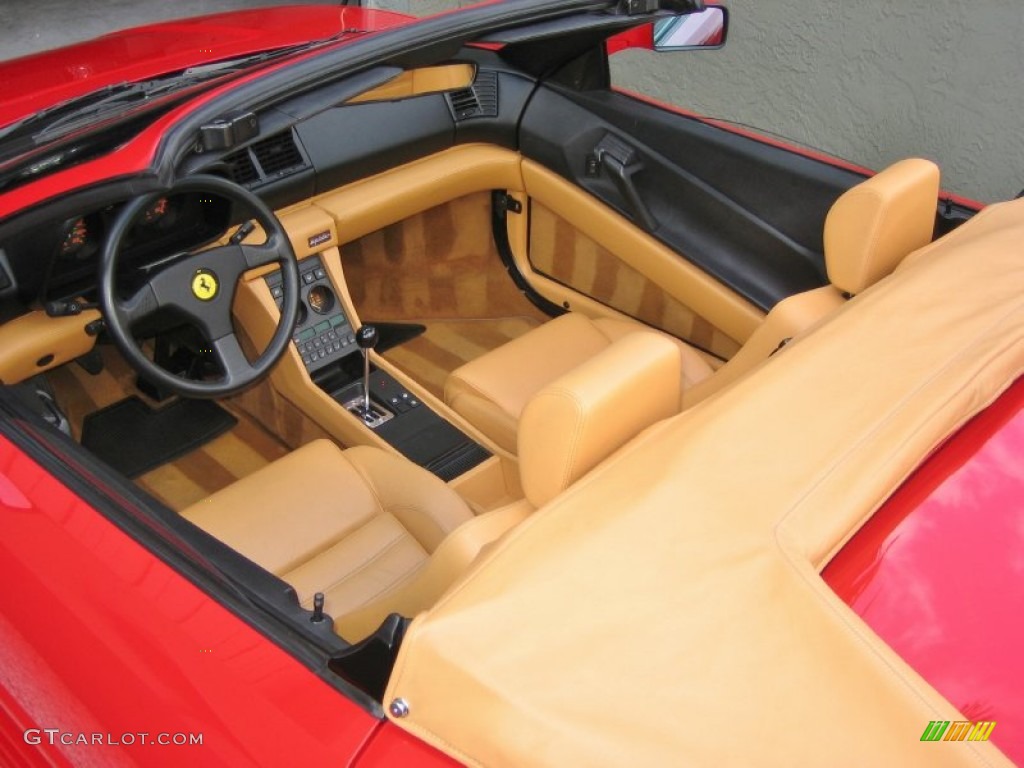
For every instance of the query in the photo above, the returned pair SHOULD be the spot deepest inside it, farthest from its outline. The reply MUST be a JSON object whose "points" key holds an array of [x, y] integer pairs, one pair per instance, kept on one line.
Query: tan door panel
{"points": [[563, 253], [579, 242]]}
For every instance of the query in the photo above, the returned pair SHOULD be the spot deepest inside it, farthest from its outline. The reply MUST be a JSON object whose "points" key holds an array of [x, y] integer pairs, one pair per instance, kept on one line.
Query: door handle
{"points": [[621, 162]]}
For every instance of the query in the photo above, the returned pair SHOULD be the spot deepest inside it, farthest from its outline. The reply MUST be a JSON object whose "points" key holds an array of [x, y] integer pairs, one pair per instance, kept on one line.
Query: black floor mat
{"points": [[392, 335], [134, 438]]}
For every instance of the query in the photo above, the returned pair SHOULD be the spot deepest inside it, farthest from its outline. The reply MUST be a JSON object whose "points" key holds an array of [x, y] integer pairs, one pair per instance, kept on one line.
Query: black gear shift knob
{"points": [[367, 337]]}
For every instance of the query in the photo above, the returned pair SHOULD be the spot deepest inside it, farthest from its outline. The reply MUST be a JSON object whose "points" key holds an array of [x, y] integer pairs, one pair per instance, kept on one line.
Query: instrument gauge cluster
{"points": [[78, 240], [70, 249]]}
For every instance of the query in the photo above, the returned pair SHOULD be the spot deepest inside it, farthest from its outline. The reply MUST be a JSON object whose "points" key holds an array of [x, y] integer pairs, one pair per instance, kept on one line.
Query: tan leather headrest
{"points": [[876, 224], [580, 419]]}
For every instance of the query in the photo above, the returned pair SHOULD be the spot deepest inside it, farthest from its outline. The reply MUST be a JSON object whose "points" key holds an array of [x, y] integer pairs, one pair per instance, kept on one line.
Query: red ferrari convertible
{"points": [[378, 391]]}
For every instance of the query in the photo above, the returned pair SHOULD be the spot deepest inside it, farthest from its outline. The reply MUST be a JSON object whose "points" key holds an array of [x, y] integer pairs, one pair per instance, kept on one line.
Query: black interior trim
{"points": [[499, 226], [369, 663], [343, 150], [749, 214]]}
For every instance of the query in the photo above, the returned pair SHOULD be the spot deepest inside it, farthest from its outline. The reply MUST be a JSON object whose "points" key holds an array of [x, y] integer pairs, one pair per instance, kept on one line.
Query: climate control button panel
{"points": [[322, 332]]}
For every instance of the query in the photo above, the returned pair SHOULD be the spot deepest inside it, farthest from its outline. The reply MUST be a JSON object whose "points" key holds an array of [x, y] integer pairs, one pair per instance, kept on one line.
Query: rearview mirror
{"points": [[694, 31]]}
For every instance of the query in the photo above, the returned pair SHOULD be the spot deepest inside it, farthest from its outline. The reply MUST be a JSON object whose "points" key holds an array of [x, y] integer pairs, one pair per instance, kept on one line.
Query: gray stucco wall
{"points": [[871, 81]]}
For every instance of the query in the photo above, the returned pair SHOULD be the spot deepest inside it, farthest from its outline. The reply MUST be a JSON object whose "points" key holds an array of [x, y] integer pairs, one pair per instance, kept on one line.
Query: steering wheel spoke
{"points": [[201, 287], [262, 254], [140, 305], [232, 359]]}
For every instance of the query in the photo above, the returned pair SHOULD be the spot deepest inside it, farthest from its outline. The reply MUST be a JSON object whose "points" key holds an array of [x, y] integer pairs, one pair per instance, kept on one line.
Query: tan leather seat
{"points": [[868, 231], [492, 391], [873, 226], [358, 525], [583, 417], [378, 535]]}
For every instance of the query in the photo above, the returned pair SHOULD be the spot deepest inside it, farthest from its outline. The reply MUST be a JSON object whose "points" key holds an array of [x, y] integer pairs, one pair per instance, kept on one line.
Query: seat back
{"points": [[869, 230], [581, 418], [879, 222]]}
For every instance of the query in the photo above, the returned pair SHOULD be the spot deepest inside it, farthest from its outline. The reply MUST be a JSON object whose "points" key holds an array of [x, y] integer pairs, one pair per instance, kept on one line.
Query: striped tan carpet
{"points": [[439, 268], [235, 454], [447, 344]]}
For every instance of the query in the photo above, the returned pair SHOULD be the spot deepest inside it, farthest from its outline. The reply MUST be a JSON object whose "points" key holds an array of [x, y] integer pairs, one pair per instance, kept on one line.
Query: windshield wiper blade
{"points": [[70, 114], [69, 107], [66, 116], [115, 104], [116, 98]]}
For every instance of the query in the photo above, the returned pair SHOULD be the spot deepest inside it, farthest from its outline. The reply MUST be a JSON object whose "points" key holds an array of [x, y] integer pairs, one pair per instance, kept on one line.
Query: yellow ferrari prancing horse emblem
{"points": [[204, 285]]}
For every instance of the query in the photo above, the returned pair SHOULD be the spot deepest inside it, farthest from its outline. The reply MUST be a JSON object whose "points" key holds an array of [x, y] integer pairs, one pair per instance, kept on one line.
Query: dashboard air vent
{"points": [[278, 155], [265, 161], [479, 100], [241, 168]]}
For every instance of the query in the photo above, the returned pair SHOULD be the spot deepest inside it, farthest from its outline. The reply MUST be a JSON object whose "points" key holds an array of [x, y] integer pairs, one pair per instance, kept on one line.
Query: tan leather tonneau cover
{"points": [[667, 610]]}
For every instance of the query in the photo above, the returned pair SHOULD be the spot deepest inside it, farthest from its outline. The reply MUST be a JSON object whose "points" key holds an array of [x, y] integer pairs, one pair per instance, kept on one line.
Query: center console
{"points": [[323, 334], [328, 345]]}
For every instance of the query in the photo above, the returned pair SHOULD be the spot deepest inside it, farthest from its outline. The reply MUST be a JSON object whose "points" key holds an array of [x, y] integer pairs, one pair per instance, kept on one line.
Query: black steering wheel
{"points": [[200, 285]]}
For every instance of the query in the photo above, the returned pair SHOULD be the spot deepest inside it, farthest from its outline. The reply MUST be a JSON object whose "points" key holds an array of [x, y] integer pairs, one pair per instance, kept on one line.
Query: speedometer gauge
{"points": [[75, 237], [155, 212]]}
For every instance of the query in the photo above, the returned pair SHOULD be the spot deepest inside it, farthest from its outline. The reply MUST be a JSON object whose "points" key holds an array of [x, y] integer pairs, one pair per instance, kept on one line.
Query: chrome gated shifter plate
{"points": [[372, 418]]}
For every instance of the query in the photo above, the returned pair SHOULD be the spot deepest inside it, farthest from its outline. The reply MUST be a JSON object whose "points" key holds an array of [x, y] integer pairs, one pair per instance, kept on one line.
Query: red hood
{"points": [[35, 82], [937, 572]]}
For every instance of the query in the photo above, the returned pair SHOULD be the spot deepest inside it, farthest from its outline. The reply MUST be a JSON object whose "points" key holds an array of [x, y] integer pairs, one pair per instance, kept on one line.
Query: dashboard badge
{"points": [[205, 285]]}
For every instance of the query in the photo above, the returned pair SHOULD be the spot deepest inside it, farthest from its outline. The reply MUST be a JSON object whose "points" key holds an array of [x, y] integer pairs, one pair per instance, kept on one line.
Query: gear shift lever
{"points": [[367, 338]]}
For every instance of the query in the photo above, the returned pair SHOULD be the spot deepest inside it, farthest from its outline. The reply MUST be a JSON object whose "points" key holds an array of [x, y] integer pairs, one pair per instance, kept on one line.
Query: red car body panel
{"points": [[150, 654], [35, 82], [389, 746], [638, 37], [938, 571]]}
